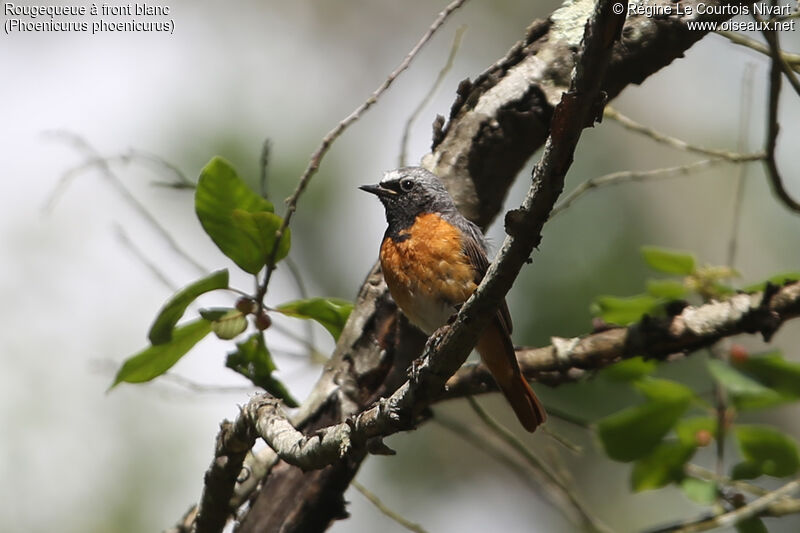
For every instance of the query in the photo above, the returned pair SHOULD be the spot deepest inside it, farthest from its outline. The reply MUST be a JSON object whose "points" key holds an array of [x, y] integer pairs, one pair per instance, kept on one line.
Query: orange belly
{"points": [[427, 272]]}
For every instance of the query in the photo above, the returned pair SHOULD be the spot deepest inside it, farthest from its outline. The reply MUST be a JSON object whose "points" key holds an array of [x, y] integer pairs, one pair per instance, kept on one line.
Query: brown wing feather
{"points": [[477, 256]]}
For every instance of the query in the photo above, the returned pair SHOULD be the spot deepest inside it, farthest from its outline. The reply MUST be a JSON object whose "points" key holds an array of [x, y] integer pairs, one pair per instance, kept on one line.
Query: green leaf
{"points": [[221, 192], [778, 279], [664, 390], [773, 371], [215, 313], [668, 261], [155, 360], [751, 525], [253, 360], [746, 470], [735, 382], [172, 311], [634, 432], [624, 311], [687, 428], [699, 490], [666, 288], [661, 467], [261, 229], [229, 325], [630, 369], [332, 313], [771, 452]]}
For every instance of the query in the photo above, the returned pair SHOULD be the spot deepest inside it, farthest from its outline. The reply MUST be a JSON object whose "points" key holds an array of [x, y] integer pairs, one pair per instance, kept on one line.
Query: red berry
{"points": [[703, 437], [739, 354], [245, 306], [263, 321]]}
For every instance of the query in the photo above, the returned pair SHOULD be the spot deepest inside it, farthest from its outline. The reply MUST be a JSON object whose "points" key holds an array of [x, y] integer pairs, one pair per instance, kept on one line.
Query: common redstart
{"points": [[432, 260]]}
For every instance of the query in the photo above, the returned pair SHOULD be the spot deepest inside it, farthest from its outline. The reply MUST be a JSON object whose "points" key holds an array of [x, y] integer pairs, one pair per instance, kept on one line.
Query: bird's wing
{"points": [[473, 247]]}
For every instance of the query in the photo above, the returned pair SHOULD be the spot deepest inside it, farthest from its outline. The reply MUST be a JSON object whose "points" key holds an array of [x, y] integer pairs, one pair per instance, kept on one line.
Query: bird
{"points": [[433, 259]]}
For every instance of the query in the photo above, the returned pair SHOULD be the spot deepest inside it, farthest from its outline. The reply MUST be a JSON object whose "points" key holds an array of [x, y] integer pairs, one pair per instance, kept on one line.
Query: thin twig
{"points": [[294, 336], [203, 388], [775, 52], [429, 95], [623, 176], [741, 144], [266, 149], [331, 136], [374, 500], [538, 465], [792, 60], [562, 440], [489, 447], [754, 508], [674, 142], [297, 276], [772, 120], [708, 475], [94, 159], [717, 351], [181, 181], [154, 269], [487, 444]]}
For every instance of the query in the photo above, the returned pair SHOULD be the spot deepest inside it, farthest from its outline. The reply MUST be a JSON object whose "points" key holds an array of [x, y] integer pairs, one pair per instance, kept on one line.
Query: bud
{"points": [[246, 306], [263, 321]]}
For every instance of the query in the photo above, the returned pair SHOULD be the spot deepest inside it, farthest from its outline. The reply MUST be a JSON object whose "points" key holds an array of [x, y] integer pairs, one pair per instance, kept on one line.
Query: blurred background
{"points": [[79, 295]]}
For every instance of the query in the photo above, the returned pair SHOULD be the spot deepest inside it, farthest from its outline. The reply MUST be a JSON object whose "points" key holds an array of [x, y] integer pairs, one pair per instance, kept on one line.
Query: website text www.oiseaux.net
{"points": [[777, 18]]}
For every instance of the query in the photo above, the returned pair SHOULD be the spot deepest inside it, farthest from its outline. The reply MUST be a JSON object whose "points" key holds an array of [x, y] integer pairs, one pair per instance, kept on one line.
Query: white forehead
{"points": [[391, 175]]}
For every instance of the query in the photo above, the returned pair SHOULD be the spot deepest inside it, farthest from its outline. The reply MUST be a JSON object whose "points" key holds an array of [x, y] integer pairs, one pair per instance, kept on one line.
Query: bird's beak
{"points": [[378, 191]]}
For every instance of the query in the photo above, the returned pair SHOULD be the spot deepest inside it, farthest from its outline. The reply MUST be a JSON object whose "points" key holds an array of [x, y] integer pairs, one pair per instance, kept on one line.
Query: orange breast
{"points": [[427, 273]]}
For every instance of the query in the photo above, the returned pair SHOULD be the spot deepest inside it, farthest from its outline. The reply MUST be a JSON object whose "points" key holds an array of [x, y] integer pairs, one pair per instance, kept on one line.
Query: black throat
{"points": [[400, 220]]}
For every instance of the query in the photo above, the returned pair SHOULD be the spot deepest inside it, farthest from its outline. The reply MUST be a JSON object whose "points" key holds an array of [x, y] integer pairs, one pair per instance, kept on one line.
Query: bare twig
{"points": [[266, 149], [718, 352], [331, 136], [752, 509], [154, 269], [429, 95], [488, 446], [553, 480], [374, 500], [744, 127], [792, 60], [708, 475], [93, 159], [624, 176], [772, 121], [778, 56], [297, 276], [203, 388], [674, 142]]}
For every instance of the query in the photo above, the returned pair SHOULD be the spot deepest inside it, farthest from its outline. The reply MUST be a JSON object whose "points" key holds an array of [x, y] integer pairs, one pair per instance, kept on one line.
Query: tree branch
{"points": [[752, 509], [694, 328], [495, 125]]}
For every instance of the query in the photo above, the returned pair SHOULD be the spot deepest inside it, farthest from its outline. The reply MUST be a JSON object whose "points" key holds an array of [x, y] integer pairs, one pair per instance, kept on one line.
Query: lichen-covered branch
{"points": [[695, 327]]}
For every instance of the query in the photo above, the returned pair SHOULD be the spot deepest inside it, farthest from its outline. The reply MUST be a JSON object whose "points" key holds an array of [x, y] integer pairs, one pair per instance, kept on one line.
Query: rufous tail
{"points": [[497, 353], [524, 402]]}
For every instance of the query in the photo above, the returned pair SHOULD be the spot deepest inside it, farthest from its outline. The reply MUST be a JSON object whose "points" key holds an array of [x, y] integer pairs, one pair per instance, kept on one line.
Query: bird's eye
{"points": [[407, 184]]}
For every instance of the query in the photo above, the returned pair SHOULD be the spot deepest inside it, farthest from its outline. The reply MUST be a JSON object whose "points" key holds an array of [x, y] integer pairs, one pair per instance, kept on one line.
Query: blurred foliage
{"points": [[245, 228]]}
